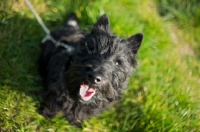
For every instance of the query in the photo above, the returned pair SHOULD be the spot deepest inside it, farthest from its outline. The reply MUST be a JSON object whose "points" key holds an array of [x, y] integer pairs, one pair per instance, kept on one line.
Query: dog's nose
{"points": [[96, 78]]}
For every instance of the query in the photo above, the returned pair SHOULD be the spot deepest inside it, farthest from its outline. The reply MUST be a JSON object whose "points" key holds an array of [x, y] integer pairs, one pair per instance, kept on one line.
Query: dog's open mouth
{"points": [[86, 92]]}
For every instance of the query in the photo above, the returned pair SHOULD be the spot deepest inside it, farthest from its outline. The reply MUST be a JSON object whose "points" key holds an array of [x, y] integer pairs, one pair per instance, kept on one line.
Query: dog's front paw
{"points": [[76, 123], [72, 120], [46, 112]]}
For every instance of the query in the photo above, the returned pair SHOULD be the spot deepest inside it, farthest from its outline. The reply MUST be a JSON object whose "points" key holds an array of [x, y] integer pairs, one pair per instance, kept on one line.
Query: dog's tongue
{"points": [[86, 92]]}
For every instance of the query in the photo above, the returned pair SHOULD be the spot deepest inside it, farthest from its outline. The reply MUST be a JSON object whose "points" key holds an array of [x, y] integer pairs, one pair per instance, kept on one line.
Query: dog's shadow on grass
{"points": [[20, 51]]}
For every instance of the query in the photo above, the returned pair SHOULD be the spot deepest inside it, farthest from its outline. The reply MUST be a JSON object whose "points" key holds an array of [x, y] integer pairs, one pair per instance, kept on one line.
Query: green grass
{"points": [[163, 94], [187, 15]]}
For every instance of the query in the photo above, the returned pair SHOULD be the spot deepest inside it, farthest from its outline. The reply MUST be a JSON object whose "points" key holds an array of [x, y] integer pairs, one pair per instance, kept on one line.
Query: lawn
{"points": [[163, 93]]}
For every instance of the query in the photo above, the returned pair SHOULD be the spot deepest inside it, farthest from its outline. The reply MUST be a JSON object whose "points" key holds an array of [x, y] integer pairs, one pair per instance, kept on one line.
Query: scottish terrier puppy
{"points": [[83, 82]]}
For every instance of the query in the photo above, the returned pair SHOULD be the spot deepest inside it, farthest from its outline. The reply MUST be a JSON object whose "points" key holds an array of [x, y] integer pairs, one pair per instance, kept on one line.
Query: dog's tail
{"points": [[72, 20]]}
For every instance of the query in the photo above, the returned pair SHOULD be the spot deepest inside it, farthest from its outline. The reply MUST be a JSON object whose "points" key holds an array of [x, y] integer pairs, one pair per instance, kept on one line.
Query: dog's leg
{"points": [[51, 105]]}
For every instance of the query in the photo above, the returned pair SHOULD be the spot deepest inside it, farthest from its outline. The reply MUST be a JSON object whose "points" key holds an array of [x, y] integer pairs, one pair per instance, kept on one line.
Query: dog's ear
{"points": [[102, 24], [135, 42]]}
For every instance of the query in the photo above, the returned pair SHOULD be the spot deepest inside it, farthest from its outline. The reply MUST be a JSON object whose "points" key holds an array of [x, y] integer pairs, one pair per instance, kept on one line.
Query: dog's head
{"points": [[101, 65]]}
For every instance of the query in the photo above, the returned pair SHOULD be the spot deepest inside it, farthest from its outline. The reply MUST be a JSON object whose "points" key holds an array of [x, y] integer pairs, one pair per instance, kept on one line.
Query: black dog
{"points": [[83, 82]]}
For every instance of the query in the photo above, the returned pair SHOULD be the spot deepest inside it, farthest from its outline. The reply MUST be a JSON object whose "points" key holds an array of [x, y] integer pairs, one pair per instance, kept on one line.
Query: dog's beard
{"points": [[87, 93]]}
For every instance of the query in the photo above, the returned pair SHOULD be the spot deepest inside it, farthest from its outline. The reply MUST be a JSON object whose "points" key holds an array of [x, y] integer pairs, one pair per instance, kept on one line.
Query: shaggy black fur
{"points": [[100, 64]]}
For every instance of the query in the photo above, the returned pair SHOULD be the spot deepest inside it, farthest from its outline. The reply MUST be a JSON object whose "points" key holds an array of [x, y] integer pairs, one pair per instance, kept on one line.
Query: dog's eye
{"points": [[116, 63]]}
